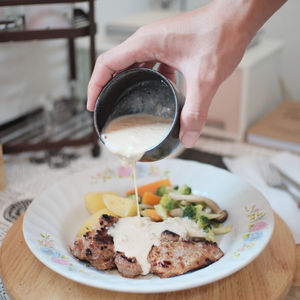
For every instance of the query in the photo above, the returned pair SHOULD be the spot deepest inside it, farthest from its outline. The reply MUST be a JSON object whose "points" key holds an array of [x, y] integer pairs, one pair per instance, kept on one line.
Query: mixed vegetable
{"points": [[158, 200]]}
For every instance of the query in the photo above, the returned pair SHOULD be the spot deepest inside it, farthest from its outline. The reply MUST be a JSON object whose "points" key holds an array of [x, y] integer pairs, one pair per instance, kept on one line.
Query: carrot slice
{"points": [[150, 199], [150, 187], [152, 214]]}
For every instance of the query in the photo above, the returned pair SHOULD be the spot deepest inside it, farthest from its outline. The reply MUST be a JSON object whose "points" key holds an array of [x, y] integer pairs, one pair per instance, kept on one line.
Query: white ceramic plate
{"points": [[52, 220]]}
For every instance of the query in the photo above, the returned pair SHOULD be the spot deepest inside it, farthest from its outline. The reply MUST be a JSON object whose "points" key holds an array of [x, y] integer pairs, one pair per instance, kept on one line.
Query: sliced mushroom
{"points": [[217, 210], [210, 216], [208, 210], [187, 198], [223, 216], [200, 199]]}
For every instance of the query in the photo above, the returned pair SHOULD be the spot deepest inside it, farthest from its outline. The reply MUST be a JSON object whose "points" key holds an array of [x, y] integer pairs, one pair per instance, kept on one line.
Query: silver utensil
{"points": [[274, 179], [286, 178]]}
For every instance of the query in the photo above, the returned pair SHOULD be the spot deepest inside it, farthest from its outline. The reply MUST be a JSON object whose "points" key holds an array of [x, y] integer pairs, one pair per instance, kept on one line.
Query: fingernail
{"points": [[189, 138]]}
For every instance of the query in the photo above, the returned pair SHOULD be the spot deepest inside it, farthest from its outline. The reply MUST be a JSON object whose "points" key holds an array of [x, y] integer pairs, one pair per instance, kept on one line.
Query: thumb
{"points": [[194, 112]]}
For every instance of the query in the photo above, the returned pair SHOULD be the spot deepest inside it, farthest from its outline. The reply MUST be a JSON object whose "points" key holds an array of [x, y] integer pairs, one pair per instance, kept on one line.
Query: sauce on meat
{"points": [[135, 236]]}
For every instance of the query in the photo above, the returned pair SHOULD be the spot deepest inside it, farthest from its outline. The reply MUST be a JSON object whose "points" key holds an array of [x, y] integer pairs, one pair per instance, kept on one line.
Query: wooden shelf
{"points": [[83, 24], [14, 149], [81, 27]]}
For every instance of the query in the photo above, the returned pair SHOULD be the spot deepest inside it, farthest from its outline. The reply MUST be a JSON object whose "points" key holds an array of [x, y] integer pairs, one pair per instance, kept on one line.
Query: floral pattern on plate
{"points": [[47, 246], [126, 172], [255, 228]]}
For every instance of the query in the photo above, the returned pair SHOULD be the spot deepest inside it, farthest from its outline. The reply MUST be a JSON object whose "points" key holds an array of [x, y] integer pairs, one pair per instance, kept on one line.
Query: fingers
{"points": [[148, 65], [194, 112], [101, 75], [167, 71], [113, 61]]}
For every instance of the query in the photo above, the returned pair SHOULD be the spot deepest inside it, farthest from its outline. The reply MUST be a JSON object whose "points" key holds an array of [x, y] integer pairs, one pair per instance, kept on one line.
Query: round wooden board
{"points": [[269, 276]]}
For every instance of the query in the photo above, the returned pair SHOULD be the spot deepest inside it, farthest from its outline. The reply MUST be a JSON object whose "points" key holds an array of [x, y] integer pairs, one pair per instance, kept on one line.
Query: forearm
{"points": [[247, 15], [230, 26]]}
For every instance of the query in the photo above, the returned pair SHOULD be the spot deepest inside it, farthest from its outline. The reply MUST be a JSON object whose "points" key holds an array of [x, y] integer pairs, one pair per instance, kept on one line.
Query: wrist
{"points": [[257, 12], [246, 16]]}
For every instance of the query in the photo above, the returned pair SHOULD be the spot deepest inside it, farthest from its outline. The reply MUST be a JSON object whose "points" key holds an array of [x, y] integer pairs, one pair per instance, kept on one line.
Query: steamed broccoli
{"points": [[166, 202], [189, 212], [203, 222], [184, 190], [161, 190]]}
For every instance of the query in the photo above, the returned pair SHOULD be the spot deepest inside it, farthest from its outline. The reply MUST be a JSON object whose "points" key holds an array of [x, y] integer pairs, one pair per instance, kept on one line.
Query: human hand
{"points": [[204, 45]]}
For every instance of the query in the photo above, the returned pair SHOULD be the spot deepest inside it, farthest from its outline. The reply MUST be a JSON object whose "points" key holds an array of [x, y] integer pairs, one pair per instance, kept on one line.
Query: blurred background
{"points": [[36, 74]]}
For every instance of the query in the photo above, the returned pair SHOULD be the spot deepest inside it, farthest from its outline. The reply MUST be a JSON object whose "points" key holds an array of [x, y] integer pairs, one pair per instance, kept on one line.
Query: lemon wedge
{"points": [[121, 206], [94, 201]]}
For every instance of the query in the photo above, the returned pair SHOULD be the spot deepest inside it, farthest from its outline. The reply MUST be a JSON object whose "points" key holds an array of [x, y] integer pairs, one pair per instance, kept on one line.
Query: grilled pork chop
{"points": [[127, 266], [96, 246], [173, 256]]}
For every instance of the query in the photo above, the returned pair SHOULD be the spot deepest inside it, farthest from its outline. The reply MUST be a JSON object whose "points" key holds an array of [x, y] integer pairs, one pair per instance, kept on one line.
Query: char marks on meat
{"points": [[127, 266], [97, 246], [173, 256]]}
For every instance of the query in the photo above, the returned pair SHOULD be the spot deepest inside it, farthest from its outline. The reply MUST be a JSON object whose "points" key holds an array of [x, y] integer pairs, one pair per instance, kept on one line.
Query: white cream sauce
{"points": [[135, 236], [130, 136]]}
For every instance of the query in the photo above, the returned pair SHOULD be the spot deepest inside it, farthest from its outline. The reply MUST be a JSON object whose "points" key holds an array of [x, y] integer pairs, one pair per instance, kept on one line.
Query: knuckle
{"points": [[209, 77], [141, 31], [209, 71], [100, 59], [196, 118]]}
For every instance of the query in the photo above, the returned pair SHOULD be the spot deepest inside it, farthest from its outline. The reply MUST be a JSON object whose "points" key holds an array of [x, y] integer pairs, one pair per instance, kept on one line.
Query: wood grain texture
{"points": [[281, 124], [269, 276], [2, 173]]}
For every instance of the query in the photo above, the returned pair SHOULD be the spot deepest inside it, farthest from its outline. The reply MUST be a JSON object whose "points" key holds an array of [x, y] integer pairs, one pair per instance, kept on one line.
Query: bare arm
{"points": [[205, 45]]}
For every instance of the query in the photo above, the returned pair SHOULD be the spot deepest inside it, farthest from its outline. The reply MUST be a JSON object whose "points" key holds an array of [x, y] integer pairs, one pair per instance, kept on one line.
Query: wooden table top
{"points": [[269, 276]]}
